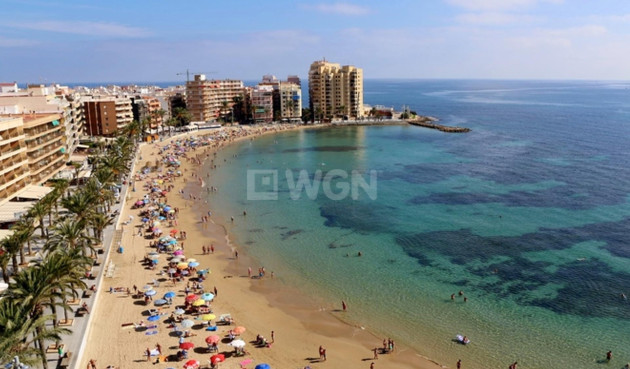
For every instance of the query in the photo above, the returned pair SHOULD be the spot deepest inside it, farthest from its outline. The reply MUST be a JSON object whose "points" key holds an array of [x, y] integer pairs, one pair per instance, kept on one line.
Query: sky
{"points": [[69, 41]]}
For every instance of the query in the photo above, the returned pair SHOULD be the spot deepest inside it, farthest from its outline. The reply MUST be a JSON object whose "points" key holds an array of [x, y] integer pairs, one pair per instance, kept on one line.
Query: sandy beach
{"points": [[261, 305]]}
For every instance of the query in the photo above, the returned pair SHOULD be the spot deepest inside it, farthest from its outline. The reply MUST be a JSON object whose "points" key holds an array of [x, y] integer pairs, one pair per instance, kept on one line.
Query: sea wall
{"points": [[429, 122]]}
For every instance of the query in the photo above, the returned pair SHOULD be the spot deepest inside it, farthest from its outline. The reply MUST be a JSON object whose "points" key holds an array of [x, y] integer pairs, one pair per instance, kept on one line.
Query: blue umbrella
{"points": [[153, 318], [160, 302], [207, 296], [193, 264], [263, 366], [169, 295], [145, 220], [150, 293], [202, 272]]}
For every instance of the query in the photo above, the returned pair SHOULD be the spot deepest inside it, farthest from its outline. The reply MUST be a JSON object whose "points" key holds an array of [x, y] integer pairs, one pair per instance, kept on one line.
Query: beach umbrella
{"points": [[208, 317], [172, 271], [239, 330], [187, 323], [237, 343], [207, 296], [153, 318], [186, 345], [198, 302], [147, 287], [184, 272], [150, 293], [182, 265], [139, 202], [191, 364], [179, 311], [169, 295], [173, 232], [160, 302], [144, 220], [203, 271], [193, 264], [263, 366], [191, 298], [178, 252], [218, 358], [213, 339]]}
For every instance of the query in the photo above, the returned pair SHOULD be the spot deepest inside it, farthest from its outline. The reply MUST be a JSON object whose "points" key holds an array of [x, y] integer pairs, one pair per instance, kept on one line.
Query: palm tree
{"points": [[12, 245], [19, 332], [4, 263], [182, 116], [70, 235], [64, 270], [225, 108], [80, 203], [99, 222], [39, 211], [25, 227], [32, 288]]}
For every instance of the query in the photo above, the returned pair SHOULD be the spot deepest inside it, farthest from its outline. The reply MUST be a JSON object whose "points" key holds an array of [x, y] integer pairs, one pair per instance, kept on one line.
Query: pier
{"points": [[429, 122]]}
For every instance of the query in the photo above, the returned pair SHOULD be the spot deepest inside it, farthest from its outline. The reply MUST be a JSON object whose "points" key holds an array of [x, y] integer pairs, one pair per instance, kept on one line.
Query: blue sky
{"points": [[136, 40]]}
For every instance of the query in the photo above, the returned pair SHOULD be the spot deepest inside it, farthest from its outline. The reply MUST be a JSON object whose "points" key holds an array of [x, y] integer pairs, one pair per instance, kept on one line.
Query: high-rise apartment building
{"points": [[207, 100], [290, 101], [335, 90], [45, 137], [104, 117], [262, 101], [14, 173]]}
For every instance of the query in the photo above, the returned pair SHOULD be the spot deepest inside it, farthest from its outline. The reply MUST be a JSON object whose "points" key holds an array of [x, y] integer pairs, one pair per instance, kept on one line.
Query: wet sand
{"points": [[260, 305]]}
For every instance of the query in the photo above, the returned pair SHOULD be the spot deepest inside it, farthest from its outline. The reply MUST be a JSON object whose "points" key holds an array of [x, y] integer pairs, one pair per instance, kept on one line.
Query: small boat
{"points": [[462, 339]]}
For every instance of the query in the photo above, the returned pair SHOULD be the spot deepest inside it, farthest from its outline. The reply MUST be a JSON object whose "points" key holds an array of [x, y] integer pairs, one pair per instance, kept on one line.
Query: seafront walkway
{"points": [[74, 342]]}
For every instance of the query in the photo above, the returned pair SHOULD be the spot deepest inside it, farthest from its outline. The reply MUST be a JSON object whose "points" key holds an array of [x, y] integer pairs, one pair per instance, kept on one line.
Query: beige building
{"points": [[14, 171], [335, 90], [207, 100], [45, 145], [290, 96]]}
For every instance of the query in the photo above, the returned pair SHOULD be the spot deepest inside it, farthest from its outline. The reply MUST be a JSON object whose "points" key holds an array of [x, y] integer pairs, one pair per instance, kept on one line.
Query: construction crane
{"points": [[187, 73]]}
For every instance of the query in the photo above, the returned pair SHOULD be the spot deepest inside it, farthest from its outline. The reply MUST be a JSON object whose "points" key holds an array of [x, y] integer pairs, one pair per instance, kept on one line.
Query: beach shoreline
{"points": [[299, 325]]}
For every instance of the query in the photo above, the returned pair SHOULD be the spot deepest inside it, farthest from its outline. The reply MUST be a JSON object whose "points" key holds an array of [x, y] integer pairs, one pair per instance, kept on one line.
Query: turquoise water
{"points": [[528, 215]]}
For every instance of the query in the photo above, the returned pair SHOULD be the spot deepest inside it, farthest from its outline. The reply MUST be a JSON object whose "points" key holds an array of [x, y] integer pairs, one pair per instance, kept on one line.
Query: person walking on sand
{"points": [[609, 355], [372, 365], [344, 306], [273, 337], [459, 364], [375, 349]]}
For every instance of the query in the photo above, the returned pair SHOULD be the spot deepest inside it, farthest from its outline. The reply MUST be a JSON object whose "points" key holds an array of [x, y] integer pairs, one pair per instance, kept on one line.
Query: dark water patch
{"points": [[558, 197], [344, 148], [335, 245], [588, 288], [280, 227], [357, 216], [285, 236], [256, 230], [250, 242]]}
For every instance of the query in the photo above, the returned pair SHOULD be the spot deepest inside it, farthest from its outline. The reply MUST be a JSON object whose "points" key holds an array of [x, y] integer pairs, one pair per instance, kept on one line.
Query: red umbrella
{"points": [[186, 345], [217, 358], [213, 339], [191, 364], [191, 298]]}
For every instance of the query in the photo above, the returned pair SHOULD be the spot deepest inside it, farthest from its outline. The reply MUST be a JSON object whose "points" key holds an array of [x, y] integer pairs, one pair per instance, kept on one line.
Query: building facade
{"points": [[104, 117], [207, 100], [335, 90], [45, 137], [14, 169], [262, 103]]}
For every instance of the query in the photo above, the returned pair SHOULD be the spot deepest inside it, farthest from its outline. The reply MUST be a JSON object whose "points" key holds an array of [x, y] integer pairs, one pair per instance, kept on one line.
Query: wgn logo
{"points": [[336, 184]]}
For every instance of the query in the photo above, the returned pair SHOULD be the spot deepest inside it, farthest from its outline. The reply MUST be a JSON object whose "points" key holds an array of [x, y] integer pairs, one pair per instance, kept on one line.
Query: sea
{"points": [[527, 215]]}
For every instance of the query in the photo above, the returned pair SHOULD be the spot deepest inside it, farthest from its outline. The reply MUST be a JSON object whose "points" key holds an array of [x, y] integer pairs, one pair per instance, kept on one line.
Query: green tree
{"points": [[182, 115], [19, 332]]}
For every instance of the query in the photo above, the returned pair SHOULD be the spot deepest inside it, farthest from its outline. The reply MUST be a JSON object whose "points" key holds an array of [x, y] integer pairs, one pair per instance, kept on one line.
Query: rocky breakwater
{"points": [[430, 122]]}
